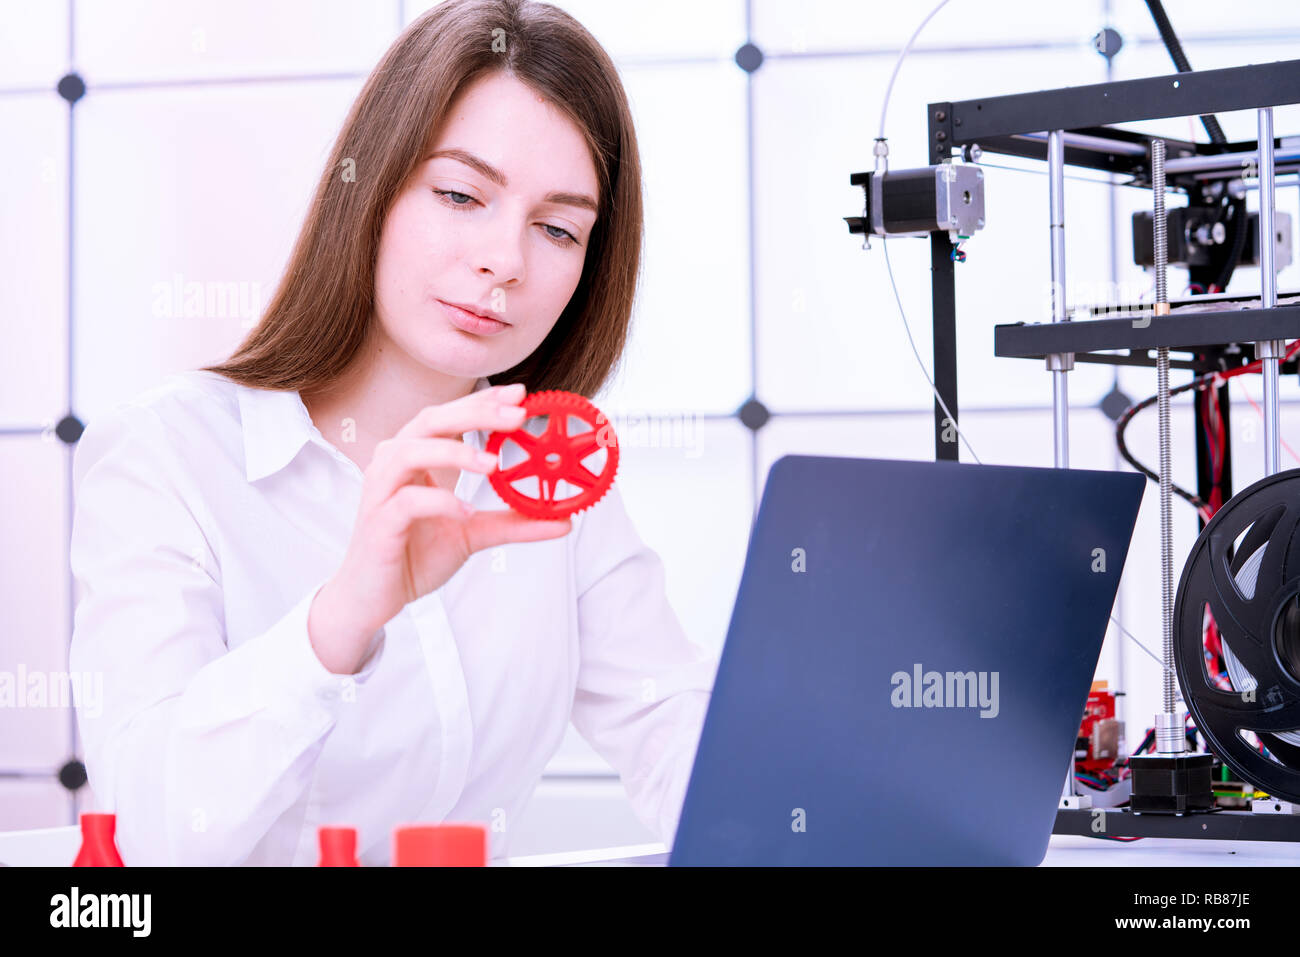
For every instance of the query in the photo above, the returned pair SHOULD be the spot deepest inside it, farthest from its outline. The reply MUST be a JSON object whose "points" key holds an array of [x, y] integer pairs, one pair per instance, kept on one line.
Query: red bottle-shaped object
{"points": [[338, 847], [97, 846], [440, 845]]}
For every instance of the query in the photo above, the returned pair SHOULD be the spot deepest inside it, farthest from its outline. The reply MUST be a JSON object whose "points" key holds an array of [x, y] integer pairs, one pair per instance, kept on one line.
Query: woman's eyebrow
{"points": [[581, 200]]}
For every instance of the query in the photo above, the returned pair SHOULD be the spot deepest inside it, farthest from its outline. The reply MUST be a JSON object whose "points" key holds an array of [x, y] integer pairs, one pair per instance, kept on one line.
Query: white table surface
{"points": [[597, 857], [1070, 850], [57, 845], [1063, 850]]}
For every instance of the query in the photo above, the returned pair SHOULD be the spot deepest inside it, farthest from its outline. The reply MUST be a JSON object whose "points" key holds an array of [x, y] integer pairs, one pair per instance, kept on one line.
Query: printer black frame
{"points": [[1014, 125], [1002, 125]]}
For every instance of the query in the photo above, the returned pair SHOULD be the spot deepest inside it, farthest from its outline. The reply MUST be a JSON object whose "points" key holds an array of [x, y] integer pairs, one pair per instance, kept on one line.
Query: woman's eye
{"points": [[569, 241], [561, 236], [453, 193]]}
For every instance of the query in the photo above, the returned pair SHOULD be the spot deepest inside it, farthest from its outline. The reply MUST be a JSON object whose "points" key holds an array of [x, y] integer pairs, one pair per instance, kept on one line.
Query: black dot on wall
{"points": [[1113, 403], [753, 414], [1107, 42], [69, 429], [72, 775], [72, 88], [749, 58]]}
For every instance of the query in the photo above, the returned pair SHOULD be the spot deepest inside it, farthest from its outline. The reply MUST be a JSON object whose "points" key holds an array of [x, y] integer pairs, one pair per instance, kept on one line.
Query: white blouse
{"points": [[208, 515]]}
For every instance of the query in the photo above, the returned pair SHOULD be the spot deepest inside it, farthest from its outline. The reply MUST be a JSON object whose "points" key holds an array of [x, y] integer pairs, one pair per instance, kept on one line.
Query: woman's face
{"points": [[495, 218]]}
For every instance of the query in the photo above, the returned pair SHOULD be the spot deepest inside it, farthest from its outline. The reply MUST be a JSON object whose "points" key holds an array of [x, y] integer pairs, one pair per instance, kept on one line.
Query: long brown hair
{"points": [[320, 314]]}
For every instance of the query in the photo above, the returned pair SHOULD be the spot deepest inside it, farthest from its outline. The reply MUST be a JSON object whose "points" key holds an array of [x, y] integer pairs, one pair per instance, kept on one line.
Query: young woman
{"points": [[308, 604]]}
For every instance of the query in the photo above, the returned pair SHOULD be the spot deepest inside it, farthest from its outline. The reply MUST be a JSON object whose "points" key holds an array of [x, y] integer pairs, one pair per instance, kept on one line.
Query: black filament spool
{"points": [[1262, 630]]}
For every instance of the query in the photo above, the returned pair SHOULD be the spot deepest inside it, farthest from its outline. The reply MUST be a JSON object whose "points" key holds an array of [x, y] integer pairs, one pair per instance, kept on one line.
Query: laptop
{"points": [[907, 664]]}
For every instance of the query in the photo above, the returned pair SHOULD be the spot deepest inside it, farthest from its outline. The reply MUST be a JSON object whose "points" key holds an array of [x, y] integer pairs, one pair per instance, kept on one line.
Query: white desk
{"points": [[59, 845], [596, 857], [1071, 850], [1063, 850]]}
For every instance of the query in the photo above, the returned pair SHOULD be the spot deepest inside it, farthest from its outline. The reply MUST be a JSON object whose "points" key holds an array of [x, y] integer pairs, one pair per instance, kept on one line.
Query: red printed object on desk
{"points": [[338, 847], [557, 454], [440, 845], [97, 846]]}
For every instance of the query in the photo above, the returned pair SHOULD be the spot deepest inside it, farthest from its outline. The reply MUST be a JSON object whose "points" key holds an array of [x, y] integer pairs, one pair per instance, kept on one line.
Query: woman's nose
{"points": [[501, 253]]}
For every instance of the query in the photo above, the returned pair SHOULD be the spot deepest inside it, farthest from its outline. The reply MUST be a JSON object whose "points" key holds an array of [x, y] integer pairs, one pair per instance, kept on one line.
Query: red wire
{"points": [[1223, 438], [1216, 447], [1260, 412], [1258, 363], [1216, 418], [1217, 441], [1211, 446]]}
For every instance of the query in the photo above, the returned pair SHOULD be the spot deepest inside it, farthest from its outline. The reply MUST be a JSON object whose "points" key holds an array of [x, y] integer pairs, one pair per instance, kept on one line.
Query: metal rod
{"points": [[1166, 528], [1239, 162], [1270, 352], [1061, 417], [1272, 422], [1093, 144], [1267, 202], [1288, 169], [1170, 738], [1222, 162], [1059, 363], [1056, 202], [1160, 222]]}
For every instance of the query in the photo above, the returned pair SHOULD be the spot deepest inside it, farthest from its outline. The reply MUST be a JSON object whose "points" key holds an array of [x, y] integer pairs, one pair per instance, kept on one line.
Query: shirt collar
{"points": [[276, 425]]}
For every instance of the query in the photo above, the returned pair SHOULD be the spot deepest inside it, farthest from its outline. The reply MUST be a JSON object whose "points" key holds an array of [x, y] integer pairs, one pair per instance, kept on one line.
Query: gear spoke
{"points": [[524, 469], [583, 477], [583, 444], [525, 440]]}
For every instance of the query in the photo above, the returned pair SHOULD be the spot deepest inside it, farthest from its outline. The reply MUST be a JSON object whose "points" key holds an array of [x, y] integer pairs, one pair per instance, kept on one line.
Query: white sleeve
{"points": [[643, 685], [196, 748]]}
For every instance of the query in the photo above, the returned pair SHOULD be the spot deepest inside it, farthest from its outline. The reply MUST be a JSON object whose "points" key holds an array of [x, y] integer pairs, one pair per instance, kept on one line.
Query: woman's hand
{"points": [[411, 536]]}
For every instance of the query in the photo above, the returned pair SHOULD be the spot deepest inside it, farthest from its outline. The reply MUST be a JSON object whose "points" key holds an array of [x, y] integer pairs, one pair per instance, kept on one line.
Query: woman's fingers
{"points": [[399, 463], [413, 503], [495, 409], [483, 529], [488, 529]]}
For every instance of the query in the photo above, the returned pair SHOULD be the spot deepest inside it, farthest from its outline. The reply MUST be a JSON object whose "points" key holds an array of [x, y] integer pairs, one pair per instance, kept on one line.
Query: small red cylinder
{"points": [[338, 847], [440, 845]]}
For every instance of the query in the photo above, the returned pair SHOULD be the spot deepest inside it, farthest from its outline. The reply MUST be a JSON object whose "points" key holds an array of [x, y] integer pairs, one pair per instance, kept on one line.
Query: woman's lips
{"points": [[469, 322]]}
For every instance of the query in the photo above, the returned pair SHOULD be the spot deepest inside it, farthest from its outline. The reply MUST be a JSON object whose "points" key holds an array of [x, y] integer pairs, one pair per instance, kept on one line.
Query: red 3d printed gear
{"points": [[556, 455]]}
